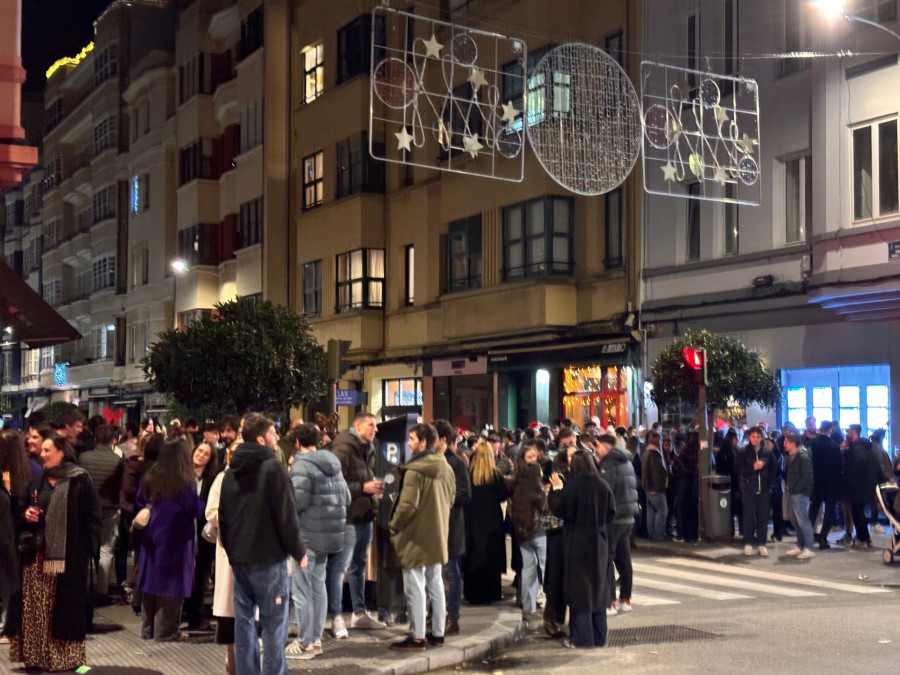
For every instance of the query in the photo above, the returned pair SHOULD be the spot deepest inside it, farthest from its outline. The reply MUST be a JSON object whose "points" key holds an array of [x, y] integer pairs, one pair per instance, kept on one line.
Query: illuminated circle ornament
{"points": [[748, 170], [709, 94], [464, 49], [395, 83], [585, 121], [660, 127], [509, 143]]}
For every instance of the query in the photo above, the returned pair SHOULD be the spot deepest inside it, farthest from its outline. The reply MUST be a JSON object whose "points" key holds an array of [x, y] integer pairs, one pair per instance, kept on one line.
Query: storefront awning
{"points": [[32, 320]]}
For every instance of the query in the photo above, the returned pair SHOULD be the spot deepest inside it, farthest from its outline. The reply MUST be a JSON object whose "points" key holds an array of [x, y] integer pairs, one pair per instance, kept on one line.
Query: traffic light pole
{"points": [[703, 459]]}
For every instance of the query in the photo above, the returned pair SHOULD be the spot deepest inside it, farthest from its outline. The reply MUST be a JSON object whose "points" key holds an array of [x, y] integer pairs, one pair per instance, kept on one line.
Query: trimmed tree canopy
{"points": [[735, 374], [250, 356]]}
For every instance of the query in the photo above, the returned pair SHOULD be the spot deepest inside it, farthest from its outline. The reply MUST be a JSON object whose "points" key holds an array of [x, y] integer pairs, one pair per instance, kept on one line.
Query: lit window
{"points": [[796, 400], [312, 288], [822, 403], [360, 279], [877, 407], [849, 406], [313, 180], [313, 72]]}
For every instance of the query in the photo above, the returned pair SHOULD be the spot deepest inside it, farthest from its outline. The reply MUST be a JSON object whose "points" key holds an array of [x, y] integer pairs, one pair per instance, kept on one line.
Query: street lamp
{"points": [[835, 8], [179, 267]]}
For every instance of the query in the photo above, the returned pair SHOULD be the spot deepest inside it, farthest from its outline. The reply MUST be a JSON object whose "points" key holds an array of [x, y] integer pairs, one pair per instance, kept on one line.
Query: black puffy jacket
{"points": [[616, 469]]}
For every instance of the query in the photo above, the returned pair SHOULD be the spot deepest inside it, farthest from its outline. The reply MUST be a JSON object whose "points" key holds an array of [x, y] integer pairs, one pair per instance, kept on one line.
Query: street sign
{"points": [[345, 397]]}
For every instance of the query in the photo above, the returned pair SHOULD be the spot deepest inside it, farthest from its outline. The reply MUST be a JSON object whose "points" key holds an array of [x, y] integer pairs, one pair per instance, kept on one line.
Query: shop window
{"points": [[360, 279], [596, 391], [401, 397], [849, 410], [796, 400], [822, 403], [537, 238], [877, 407]]}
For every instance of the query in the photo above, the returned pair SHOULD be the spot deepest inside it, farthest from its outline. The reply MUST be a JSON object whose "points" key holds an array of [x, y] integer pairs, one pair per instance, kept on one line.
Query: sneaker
{"points": [[365, 622], [434, 640], [408, 644], [339, 628], [452, 625], [748, 550], [794, 550], [678, 540], [624, 606], [763, 552], [878, 529], [862, 545], [806, 554], [552, 629], [846, 540], [611, 610], [317, 647], [295, 650]]}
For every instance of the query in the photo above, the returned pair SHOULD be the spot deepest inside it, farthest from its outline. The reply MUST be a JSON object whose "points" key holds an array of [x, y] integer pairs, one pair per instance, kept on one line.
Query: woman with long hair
{"points": [[34, 440], [586, 505], [485, 539], [725, 466], [14, 468], [167, 542], [206, 466], [528, 504], [64, 518]]}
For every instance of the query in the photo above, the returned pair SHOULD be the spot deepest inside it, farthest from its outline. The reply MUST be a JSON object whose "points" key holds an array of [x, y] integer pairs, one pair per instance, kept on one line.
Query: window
{"points": [[354, 46], [104, 203], [103, 342], [730, 30], [794, 37], [401, 397], [881, 11], [464, 254], [250, 224], [145, 192], [251, 33], [312, 288], [797, 199], [693, 48], [612, 45], [409, 296], [313, 72], [357, 170], [53, 171], [537, 238], [53, 292], [106, 63], [196, 161], [877, 407], [875, 177], [513, 86], [822, 402], [51, 232], [104, 272], [140, 267], [251, 126], [194, 78], [796, 400], [731, 220], [48, 358], [360, 279], [105, 134], [313, 180], [198, 244], [613, 217], [849, 402], [692, 250], [54, 114]]}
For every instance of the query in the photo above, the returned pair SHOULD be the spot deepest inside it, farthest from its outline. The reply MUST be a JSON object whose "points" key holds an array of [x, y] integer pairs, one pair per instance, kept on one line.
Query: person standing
{"points": [[862, 472], [456, 536], [826, 464], [757, 470], [527, 504], [616, 469], [65, 510], [204, 461], [259, 530], [799, 481], [105, 469], [353, 447], [655, 478], [322, 498], [419, 526]]}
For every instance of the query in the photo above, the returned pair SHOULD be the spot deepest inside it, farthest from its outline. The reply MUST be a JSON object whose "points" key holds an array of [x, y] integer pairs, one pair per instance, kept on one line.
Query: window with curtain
{"points": [[360, 279], [797, 199], [537, 238]]}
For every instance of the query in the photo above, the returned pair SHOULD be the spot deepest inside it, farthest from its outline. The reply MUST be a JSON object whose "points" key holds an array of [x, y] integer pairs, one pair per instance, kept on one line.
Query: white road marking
{"points": [[716, 581], [645, 582]]}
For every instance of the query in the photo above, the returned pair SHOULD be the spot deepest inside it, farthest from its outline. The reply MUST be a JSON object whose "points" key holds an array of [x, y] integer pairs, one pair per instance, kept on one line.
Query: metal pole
{"points": [[703, 463]]}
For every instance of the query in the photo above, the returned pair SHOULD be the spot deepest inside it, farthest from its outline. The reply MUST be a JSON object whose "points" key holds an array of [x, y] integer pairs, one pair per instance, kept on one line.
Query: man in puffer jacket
{"points": [[322, 498], [617, 470]]}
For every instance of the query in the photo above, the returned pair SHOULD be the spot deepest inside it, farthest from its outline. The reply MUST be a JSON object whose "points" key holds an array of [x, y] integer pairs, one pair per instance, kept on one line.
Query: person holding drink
{"points": [[757, 471]]}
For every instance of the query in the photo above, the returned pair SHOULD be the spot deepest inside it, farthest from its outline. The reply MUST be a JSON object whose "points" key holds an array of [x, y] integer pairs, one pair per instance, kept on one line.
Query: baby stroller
{"points": [[887, 493]]}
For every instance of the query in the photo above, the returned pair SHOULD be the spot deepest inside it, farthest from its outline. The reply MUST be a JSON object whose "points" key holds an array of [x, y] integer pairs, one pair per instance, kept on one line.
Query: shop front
{"points": [[598, 393]]}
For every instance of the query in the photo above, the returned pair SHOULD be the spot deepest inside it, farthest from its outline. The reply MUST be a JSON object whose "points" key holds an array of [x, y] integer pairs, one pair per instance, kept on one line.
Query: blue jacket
{"points": [[322, 498]]}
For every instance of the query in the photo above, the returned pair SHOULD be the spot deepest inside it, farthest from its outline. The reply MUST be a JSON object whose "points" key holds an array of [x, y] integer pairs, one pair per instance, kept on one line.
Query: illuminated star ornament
{"points": [[471, 145], [433, 48], [404, 140], [720, 176], [509, 112], [721, 116], [476, 77], [748, 144], [669, 171]]}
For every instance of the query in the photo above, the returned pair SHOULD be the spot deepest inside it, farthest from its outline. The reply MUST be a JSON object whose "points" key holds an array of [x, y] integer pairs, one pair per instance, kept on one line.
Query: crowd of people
{"points": [[272, 525]]}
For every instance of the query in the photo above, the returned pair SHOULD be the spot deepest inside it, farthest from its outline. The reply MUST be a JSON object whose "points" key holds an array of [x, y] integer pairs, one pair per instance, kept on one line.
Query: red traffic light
{"points": [[695, 359]]}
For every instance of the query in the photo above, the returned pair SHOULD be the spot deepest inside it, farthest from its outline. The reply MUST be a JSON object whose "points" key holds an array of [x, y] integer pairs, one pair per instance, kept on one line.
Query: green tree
{"points": [[249, 355], [735, 374]]}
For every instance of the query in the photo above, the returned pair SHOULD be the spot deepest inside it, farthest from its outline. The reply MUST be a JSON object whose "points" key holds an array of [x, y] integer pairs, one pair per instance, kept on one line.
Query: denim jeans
{"points": [[353, 556], [415, 582], [310, 597], [107, 544], [800, 511], [264, 586], [534, 557], [453, 576], [656, 516]]}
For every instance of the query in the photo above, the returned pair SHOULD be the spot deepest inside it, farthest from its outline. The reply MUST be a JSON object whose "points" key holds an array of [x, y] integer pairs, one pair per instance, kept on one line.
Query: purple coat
{"points": [[167, 545]]}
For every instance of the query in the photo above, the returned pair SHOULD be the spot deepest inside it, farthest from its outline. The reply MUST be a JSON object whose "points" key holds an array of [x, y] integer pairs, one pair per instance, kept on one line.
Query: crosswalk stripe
{"points": [[772, 576], [731, 582], [641, 600], [709, 593]]}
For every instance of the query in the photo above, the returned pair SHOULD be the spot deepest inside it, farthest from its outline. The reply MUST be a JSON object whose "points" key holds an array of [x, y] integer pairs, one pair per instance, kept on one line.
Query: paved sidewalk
{"points": [[119, 650]]}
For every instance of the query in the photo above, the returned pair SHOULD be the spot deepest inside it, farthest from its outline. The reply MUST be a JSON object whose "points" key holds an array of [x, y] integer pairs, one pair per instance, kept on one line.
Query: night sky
{"points": [[52, 29]]}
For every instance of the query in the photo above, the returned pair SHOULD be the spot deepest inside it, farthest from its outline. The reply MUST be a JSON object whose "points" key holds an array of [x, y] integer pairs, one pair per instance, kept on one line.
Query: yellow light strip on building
{"points": [[70, 60]]}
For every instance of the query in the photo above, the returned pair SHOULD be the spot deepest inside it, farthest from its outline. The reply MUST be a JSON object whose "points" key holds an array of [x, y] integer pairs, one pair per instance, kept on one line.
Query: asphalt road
{"points": [[837, 613]]}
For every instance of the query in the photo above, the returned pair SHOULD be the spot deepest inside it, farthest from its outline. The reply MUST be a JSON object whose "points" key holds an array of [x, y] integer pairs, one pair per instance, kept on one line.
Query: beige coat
{"points": [[223, 597]]}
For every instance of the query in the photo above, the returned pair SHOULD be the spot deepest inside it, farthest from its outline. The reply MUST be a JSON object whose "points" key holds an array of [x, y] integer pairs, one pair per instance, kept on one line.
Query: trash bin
{"points": [[717, 506]]}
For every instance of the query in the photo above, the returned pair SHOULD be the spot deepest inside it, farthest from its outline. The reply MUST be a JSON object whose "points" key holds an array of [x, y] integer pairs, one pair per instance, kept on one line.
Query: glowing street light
{"points": [[179, 266], [835, 8]]}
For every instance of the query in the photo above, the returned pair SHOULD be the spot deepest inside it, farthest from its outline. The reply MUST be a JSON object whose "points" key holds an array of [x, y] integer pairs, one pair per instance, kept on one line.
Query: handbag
{"points": [[28, 544], [209, 533], [141, 519]]}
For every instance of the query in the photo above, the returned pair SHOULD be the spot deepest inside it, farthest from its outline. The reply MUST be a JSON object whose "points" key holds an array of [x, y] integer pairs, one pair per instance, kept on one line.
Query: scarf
{"points": [[55, 520]]}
